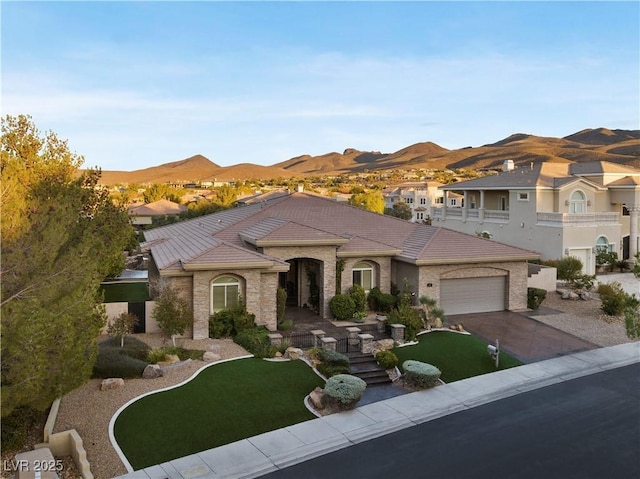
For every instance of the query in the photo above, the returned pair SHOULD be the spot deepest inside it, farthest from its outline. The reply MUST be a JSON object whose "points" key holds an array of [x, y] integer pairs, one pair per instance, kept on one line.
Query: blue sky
{"points": [[137, 84]]}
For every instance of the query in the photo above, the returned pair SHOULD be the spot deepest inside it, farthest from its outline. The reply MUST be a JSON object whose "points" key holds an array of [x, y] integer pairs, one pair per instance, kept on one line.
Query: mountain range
{"points": [[616, 146]]}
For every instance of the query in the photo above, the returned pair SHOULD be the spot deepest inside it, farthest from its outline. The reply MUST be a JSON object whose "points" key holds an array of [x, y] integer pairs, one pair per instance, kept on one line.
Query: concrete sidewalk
{"points": [[274, 450]]}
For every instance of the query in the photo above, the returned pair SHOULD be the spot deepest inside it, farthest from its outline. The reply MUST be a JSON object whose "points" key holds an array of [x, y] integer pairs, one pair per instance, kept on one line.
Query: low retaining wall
{"points": [[65, 443]]}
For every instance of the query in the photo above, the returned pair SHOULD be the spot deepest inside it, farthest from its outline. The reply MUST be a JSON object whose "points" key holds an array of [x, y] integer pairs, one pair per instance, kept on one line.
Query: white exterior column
{"points": [[633, 230], [481, 210], [465, 207]]}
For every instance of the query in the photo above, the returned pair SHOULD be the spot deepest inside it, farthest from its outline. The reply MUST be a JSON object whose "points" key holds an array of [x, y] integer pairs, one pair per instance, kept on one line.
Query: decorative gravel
{"points": [[584, 319]]}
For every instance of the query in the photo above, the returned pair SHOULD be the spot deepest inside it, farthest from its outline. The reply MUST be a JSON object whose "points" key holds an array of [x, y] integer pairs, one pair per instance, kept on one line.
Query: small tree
{"points": [[122, 325], [172, 313], [569, 268], [400, 210]]}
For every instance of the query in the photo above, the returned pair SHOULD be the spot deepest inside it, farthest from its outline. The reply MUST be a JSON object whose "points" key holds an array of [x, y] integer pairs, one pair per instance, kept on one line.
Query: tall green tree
{"points": [[61, 236], [159, 191], [372, 201], [400, 210], [226, 195]]}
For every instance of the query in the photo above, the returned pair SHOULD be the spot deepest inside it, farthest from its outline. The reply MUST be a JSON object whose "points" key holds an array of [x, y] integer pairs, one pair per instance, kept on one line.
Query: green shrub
{"points": [[256, 341], [344, 390], [231, 321], [281, 304], [333, 357], [285, 325], [614, 299], [386, 302], [386, 359], [342, 307], [584, 281], [569, 268], [156, 355], [359, 297], [329, 370], [373, 298], [183, 353], [17, 426], [535, 297], [408, 316], [116, 362], [419, 374]]}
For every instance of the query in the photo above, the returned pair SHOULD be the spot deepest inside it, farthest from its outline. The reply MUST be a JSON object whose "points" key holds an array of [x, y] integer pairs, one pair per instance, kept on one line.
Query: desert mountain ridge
{"points": [[600, 144]]}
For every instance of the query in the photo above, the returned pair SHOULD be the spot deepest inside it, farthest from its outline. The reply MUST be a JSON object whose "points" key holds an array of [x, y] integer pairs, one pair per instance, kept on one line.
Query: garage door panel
{"points": [[473, 295]]}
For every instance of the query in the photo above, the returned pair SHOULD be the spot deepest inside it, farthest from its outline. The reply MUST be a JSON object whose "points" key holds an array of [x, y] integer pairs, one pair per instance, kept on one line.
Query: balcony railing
{"points": [[497, 216], [579, 219]]}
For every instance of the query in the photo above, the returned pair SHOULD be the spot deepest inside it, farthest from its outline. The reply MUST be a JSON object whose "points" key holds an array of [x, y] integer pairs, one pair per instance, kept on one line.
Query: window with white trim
{"points": [[225, 293], [523, 196], [363, 275], [578, 202], [440, 200], [423, 201], [603, 245]]}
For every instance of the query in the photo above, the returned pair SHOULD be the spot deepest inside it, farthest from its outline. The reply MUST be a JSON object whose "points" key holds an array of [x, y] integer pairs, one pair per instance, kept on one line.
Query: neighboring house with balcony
{"points": [[420, 196], [314, 246], [557, 209]]}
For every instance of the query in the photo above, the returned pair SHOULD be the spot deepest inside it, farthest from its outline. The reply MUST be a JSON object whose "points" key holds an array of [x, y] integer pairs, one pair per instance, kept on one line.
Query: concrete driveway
{"points": [[522, 337]]}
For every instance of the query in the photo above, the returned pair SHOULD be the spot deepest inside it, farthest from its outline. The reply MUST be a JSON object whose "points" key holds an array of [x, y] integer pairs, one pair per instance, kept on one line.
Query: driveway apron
{"points": [[524, 338]]}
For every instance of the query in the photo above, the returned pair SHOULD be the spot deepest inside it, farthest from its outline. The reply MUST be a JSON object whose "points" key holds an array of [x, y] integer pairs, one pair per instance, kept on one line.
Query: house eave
{"points": [[358, 254], [230, 265], [488, 259], [294, 242]]}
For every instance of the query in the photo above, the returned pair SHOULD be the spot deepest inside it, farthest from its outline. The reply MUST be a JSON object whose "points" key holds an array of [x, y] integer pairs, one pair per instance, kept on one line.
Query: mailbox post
{"points": [[494, 352]]}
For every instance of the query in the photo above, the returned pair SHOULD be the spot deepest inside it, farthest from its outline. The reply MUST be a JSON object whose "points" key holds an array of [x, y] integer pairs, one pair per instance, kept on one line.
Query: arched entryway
{"points": [[303, 283]]}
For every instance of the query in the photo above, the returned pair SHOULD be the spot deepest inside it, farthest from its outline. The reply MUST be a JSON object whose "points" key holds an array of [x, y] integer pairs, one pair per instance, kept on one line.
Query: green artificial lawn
{"points": [[224, 403], [457, 356], [125, 292]]}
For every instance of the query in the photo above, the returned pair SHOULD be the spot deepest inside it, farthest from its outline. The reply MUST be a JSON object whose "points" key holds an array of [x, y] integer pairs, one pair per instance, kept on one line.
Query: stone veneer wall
{"points": [[516, 272]]}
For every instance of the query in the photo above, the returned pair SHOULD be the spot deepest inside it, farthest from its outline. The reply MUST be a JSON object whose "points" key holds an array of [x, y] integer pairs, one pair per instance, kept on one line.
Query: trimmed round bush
{"points": [[342, 307], [421, 375], [116, 362], [386, 359], [344, 390]]}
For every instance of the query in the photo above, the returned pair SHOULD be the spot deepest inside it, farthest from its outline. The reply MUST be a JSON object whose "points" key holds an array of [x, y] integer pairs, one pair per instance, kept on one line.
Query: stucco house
{"points": [[144, 214], [558, 209], [314, 246]]}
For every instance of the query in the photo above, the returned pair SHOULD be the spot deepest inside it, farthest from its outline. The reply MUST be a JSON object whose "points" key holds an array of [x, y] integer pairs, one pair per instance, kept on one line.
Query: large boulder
{"points": [[209, 356], [111, 383], [315, 398], [152, 371], [293, 353]]}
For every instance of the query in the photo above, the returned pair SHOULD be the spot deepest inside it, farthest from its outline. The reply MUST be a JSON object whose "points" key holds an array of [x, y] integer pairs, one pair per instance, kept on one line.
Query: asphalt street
{"points": [[583, 428]]}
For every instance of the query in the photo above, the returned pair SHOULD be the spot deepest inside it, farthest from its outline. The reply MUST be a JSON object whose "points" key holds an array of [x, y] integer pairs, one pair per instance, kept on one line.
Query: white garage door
{"points": [[472, 295]]}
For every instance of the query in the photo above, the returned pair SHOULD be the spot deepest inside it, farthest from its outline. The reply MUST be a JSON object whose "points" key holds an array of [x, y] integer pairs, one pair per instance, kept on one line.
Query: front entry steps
{"points": [[366, 368]]}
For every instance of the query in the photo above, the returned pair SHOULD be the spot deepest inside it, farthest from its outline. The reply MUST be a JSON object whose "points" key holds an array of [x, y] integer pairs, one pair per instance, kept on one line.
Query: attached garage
{"points": [[473, 295]]}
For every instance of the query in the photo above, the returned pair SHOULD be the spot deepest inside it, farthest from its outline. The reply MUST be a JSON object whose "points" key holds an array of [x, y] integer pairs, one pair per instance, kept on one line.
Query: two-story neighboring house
{"points": [[557, 209], [420, 196]]}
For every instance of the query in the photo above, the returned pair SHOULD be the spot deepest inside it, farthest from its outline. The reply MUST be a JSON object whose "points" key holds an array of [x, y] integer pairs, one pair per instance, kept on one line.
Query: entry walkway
{"points": [[275, 450]]}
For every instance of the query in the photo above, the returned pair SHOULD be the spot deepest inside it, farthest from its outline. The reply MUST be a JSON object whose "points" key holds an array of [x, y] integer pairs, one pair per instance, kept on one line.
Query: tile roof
{"points": [[157, 208], [302, 218], [546, 174]]}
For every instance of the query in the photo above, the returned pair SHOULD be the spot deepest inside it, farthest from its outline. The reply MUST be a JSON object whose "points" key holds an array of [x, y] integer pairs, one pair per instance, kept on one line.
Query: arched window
{"points": [[225, 293], [602, 245], [578, 202], [363, 275]]}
